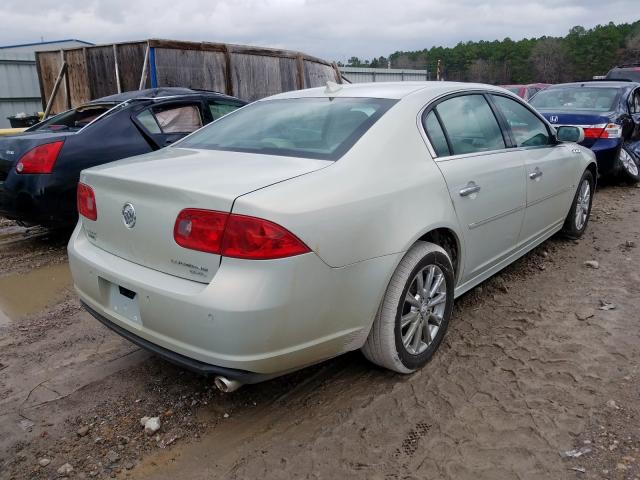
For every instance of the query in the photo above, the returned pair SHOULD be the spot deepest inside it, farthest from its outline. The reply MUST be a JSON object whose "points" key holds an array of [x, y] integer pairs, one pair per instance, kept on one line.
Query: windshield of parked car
{"points": [[319, 128], [598, 99], [73, 120]]}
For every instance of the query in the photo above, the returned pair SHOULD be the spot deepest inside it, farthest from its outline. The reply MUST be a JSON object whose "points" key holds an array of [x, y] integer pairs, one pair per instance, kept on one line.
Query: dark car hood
{"points": [[13, 147]]}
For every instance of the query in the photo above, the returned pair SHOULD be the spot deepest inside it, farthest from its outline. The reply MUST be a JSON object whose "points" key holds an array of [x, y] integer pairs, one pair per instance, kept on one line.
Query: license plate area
{"points": [[122, 300]]}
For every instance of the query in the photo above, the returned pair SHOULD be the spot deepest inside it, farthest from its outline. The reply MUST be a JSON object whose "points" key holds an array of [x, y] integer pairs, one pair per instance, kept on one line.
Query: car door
{"points": [[550, 168], [169, 122], [634, 112], [485, 181]]}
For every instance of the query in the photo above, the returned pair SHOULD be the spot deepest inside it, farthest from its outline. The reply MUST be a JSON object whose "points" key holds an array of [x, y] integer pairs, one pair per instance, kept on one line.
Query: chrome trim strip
{"points": [[547, 197], [496, 217]]}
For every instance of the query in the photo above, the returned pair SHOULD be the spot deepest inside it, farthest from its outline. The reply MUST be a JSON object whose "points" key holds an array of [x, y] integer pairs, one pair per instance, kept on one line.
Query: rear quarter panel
{"points": [[378, 199]]}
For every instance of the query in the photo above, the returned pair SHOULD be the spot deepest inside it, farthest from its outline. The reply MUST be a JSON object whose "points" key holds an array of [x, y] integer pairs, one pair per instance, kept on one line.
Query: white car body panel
{"points": [[358, 215], [159, 185]]}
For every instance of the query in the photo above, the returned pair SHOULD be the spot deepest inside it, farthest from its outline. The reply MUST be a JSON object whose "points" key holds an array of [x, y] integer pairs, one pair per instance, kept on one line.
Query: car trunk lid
{"points": [[581, 119], [161, 184]]}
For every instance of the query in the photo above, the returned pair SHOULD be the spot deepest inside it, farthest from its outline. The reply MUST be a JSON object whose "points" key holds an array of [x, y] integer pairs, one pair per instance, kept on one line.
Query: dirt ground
{"points": [[537, 378]]}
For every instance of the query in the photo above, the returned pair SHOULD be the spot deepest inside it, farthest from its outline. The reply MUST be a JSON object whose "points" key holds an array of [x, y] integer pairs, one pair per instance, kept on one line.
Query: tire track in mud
{"points": [[517, 378]]}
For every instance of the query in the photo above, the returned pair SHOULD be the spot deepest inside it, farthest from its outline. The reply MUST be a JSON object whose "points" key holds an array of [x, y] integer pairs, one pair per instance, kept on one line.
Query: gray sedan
{"points": [[321, 221]]}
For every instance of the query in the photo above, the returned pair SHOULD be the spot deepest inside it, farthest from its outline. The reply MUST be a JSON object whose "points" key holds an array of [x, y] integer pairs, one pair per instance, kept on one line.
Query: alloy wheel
{"points": [[582, 204], [423, 309], [628, 163]]}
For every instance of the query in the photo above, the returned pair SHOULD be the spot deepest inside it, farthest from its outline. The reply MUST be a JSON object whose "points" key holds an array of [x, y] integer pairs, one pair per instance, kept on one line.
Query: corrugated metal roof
{"points": [[51, 45], [362, 75], [19, 88]]}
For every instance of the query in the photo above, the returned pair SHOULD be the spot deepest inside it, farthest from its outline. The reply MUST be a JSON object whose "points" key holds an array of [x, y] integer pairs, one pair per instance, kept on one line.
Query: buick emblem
{"points": [[129, 215], [553, 119]]}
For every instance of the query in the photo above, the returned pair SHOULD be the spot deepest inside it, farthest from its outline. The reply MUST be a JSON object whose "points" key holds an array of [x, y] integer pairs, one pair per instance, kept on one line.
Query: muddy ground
{"points": [[537, 378]]}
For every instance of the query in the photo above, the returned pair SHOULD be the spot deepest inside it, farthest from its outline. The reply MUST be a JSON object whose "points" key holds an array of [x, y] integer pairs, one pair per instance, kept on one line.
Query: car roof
{"points": [[597, 84], [391, 90], [157, 93]]}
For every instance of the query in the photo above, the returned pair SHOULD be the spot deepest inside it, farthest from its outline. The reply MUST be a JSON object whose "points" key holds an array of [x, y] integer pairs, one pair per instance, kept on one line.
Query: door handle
{"points": [[471, 188], [537, 173]]}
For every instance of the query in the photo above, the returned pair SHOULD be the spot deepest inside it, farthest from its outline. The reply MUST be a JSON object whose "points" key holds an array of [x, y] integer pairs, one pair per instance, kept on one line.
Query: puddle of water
{"points": [[24, 294]]}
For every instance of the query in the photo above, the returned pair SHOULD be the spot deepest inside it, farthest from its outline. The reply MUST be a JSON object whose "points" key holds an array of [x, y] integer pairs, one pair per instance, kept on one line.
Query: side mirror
{"points": [[570, 134]]}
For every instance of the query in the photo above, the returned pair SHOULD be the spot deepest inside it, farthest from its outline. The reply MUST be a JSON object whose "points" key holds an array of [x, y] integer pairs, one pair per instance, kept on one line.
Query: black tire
{"points": [[385, 346], [573, 227], [628, 165]]}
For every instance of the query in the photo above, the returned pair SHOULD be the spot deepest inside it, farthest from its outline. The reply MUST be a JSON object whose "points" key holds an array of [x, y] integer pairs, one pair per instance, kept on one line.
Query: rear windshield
{"points": [[319, 128], [73, 120], [515, 90], [598, 99]]}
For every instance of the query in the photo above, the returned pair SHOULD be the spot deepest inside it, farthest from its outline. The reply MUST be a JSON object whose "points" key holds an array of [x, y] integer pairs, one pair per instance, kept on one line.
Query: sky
{"points": [[330, 29]]}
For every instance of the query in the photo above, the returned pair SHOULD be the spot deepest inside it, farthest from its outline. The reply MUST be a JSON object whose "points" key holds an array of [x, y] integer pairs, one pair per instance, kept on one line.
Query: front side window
{"points": [[185, 119], [220, 109], [527, 129], [470, 125], [320, 128], [599, 99], [181, 119]]}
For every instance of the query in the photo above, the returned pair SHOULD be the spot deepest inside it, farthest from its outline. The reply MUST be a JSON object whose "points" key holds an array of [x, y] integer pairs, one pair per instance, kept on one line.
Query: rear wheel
{"points": [[578, 217], [415, 311], [628, 165]]}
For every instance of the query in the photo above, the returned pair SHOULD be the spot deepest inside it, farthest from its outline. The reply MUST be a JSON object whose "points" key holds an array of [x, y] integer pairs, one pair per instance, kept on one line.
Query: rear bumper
{"points": [[36, 199], [606, 151], [177, 359], [265, 317]]}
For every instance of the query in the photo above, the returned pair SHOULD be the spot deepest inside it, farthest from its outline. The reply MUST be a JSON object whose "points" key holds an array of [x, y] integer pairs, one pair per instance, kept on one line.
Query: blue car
{"points": [[609, 113]]}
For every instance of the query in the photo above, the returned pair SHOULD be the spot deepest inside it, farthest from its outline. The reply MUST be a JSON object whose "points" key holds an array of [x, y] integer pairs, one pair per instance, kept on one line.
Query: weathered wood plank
{"points": [[100, 66], [77, 77], [49, 67], [130, 59], [205, 70], [316, 75]]}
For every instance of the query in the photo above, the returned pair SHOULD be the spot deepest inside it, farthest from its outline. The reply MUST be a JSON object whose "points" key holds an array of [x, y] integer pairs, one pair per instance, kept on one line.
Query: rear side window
{"points": [[436, 135], [470, 125], [527, 129], [321, 128]]}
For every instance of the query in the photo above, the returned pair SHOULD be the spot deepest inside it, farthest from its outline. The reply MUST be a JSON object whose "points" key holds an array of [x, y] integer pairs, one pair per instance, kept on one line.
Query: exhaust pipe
{"points": [[226, 385]]}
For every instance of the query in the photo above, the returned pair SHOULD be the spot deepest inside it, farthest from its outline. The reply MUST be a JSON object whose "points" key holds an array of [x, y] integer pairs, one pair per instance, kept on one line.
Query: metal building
{"points": [[361, 75], [19, 87]]}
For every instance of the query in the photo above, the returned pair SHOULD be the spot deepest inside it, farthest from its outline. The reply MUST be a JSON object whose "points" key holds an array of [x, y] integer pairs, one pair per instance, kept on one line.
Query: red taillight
{"points": [[40, 159], [87, 202], [593, 132], [237, 236], [258, 239], [605, 130], [200, 229]]}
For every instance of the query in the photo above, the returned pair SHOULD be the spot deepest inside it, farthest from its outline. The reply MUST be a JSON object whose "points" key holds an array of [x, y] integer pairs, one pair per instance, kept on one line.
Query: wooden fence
{"points": [[74, 76]]}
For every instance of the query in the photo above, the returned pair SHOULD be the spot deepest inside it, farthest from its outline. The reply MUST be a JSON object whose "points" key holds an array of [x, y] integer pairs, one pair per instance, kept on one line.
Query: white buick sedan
{"points": [[320, 221]]}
